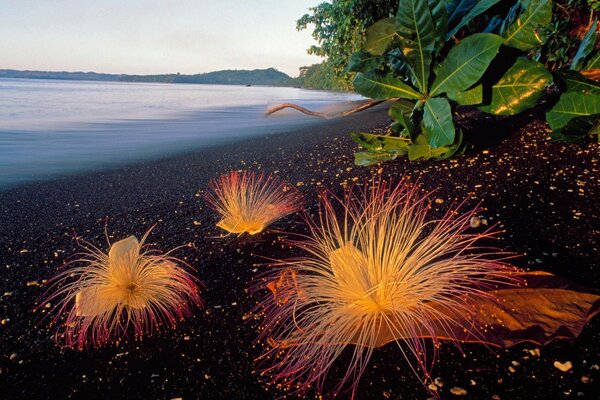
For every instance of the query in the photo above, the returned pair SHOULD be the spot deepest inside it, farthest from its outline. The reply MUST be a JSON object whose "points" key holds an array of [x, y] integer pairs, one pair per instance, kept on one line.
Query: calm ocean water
{"points": [[51, 128]]}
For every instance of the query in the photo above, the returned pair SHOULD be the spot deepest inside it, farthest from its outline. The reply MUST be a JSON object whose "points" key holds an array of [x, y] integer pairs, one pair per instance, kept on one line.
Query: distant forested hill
{"points": [[75, 76], [269, 77]]}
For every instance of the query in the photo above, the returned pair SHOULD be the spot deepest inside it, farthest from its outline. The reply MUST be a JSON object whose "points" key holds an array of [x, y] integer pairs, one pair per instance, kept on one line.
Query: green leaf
{"points": [[437, 122], [458, 8], [362, 61], [399, 63], [572, 105], [595, 130], [578, 83], [468, 97], [381, 87], [526, 32], [380, 35], [402, 111], [414, 25], [577, 129], [421, 150], [466, 63], [439, 14], [594, 61], [365, 158], [585, 48], [519, 89], [479, 8], [380, 143]]}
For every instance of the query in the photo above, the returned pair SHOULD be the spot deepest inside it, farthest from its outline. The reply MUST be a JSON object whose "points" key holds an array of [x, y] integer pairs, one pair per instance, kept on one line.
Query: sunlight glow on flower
{"points": [[249, 203], [129, 289], [376, 270]]}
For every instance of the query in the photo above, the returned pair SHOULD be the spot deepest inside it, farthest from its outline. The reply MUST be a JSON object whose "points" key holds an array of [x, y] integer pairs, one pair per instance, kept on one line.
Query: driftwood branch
{"points": [[362, 107]]}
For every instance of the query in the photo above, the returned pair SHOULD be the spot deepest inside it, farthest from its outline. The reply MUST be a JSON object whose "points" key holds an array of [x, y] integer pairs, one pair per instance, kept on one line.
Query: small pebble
{"points": [[458, 391], [564, 367]]}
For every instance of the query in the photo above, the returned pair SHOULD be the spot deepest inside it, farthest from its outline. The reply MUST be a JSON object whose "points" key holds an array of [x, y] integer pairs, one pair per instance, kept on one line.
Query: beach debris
{"points": [[534, 352], [248, 203], [361, 107], [475, 222], [373, 274], [32, 283], [585, 379], [129, 288], [458, 391], [564, 367]]}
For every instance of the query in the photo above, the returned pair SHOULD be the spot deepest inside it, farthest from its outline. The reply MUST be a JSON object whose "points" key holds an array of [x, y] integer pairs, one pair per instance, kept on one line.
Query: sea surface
{"points": [[52, 128]]}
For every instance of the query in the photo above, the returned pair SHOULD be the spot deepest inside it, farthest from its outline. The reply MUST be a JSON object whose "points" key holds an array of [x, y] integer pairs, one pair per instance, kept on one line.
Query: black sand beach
{"points": [[545, 195]]}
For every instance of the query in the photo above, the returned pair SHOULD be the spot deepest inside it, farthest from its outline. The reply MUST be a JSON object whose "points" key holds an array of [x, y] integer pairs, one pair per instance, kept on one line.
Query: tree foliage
{"points": [[339, 27], [429, 59]]}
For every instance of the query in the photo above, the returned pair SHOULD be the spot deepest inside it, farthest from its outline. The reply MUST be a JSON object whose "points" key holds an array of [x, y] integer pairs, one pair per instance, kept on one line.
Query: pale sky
{"points": [[152, 36]]}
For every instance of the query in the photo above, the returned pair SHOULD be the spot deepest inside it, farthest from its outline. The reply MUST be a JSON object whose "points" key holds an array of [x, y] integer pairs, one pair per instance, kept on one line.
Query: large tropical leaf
{"points": [[525, 32], [578, 83], [421, 150], [511, 16], [466, 63], [437, 122], [594, 61], [380, 35], [366, 158], [457, 8], [572, 105], [414, 25], [381, 87], [577, 129], [381, 148], [479, 8], [402, 111], [439, 14], [468, 97], [399, 63], [585, 48], [362, 61], [381, 143], [519, 89]]}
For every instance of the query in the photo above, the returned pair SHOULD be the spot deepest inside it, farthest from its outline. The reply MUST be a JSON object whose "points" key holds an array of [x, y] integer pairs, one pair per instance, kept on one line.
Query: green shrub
{"points": [[416, 60]]}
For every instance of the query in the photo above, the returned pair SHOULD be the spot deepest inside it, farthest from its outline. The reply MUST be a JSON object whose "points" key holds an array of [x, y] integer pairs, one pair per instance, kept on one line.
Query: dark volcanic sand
{"points": [[545, 195]]}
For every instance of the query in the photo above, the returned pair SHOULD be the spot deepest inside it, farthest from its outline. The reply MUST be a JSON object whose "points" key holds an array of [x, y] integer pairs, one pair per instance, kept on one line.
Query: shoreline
{"points": [[544, 195]]}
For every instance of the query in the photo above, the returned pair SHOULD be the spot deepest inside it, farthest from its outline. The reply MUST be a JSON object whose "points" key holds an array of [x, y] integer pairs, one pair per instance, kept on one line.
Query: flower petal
{"points": [[93, 301], [124, 252]]}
